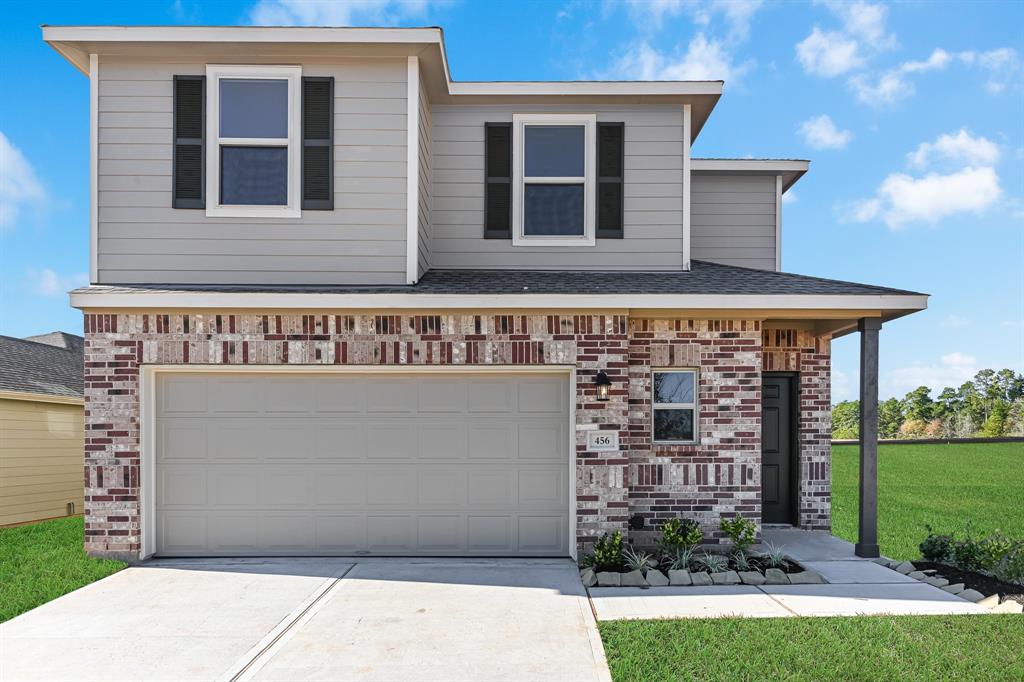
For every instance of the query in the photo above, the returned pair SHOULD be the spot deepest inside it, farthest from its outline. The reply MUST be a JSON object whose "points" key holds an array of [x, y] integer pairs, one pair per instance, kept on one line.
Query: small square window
{"points": [[674, 406]]}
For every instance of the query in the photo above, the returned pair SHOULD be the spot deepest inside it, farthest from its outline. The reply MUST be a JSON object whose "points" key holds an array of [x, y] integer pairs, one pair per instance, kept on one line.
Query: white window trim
{"points": [[293, 74], [695, 405], [519, 123]]}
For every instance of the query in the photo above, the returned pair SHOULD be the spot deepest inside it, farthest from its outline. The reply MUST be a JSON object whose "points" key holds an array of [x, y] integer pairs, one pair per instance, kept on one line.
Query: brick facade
{"points": [[719, 477]]}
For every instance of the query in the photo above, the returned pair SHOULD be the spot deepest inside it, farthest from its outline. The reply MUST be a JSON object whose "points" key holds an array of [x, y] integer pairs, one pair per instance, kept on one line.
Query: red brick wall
{"points": [[719, 477]]}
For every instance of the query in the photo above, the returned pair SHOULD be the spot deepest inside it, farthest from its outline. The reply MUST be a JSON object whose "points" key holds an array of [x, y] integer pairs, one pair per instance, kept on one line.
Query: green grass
{"points": [[946, 486], [861, 648], [42, 561]]}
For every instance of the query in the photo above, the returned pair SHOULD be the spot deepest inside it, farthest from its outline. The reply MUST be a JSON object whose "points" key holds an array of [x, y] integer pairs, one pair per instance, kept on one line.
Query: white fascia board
{"points": [[239, 34], [751, 165], [144, 300], [586, 88]]}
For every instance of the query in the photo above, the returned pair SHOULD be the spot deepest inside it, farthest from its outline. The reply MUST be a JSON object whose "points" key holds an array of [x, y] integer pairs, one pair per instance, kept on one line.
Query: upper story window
{"points": [[253, 154], [554, 165]]}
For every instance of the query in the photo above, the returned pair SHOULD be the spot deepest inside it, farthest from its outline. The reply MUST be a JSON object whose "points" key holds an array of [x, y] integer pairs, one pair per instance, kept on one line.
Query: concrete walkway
{"points": [[855, 586], [304, 619]]}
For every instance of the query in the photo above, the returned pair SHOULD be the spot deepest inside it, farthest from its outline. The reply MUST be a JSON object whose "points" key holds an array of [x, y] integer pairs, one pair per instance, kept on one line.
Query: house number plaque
{"points": [[602, 441]]}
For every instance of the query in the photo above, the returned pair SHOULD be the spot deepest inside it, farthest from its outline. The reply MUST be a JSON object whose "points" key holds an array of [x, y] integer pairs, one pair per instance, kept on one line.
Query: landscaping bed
{"points": [[972, 580], [676, 561]]}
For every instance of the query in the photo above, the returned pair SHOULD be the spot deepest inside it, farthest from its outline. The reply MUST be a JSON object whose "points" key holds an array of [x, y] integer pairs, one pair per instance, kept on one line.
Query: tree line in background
{"points": [[989, 406]]}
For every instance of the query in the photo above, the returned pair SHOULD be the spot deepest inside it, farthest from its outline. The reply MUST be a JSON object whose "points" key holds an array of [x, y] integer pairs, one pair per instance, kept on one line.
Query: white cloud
{"points": [[820, 132], [704, 60], [842, 386], [47, 282], [1013, 323], [864, 20], [737, 14], [893, 85], [789, 197], [952, 369], [961, 147], [335, 13], [955, 321], [902, 199], [1003, 66], [19, 185], [828, 53]]}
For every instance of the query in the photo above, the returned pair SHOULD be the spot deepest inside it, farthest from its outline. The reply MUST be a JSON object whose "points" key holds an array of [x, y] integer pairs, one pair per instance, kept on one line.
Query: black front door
{"points": [[778, 488]]}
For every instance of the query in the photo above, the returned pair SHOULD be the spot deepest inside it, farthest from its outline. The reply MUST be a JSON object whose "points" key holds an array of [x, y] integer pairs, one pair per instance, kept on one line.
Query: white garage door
{"points": [[332, 463]]}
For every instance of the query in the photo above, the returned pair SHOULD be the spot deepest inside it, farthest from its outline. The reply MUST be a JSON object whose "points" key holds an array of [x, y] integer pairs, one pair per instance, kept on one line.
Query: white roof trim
{"points": [[791, 169], [97, 297]]}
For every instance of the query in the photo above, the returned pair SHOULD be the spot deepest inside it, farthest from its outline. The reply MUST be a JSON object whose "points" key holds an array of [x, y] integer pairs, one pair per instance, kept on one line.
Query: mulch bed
{"points": [[985, 584]]}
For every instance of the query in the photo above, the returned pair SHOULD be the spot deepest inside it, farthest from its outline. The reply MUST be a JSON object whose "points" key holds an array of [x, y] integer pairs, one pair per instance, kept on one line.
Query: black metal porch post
{"points": [[867, 538]]}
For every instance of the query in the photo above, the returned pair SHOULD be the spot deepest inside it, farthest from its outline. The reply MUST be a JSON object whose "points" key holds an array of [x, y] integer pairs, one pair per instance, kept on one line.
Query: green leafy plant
{"points": [[636, 560], [741, 561], [608, 551], [1011, 567], [681, 560], [774, 555], [740, 531], [678, 534], [992, 549], [713, 563], [936, 547]]}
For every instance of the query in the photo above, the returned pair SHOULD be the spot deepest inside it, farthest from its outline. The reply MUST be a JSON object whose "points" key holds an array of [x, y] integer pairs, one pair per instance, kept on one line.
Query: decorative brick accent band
{"points": [[719, 477]]}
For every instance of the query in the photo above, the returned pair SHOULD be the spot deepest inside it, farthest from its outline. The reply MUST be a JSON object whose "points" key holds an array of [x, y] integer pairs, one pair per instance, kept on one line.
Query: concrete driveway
{"points": [[306, 619]]}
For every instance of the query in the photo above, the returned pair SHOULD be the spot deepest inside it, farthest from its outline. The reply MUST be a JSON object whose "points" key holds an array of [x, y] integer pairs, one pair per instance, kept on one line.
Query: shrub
{"points": [[713, 563], [936, 547], [608, 551], [681, 560], [967, 554], [1011, 567], [679, 534], [775, 556], [740, 531], [740, 560], [992, 549], [635, 560]]}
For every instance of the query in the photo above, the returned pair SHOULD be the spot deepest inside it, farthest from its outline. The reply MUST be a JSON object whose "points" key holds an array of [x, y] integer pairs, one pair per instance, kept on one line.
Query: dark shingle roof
{"points": [[703, 278], [28, 366]]}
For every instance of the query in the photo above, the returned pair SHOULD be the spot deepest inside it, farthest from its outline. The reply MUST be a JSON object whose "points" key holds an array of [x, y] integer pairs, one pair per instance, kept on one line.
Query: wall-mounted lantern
{"points": [[604, 385]]}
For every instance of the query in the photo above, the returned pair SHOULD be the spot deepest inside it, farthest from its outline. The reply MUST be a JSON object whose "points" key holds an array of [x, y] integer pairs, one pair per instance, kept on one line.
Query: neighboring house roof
{"points": [[703, 278], [791, 170], [49, 364]]}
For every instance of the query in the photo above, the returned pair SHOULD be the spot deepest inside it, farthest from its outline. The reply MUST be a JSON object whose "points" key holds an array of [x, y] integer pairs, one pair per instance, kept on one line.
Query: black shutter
{"points": [[610, 165], [498, 181], [189, 164], [317, 143]]}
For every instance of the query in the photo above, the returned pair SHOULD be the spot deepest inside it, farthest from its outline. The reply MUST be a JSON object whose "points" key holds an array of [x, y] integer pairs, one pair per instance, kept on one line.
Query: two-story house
{"points": [[343, 304]]}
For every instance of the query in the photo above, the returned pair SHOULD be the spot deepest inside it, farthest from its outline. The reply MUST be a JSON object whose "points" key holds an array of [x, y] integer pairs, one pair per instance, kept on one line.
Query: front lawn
{"points": [[946, 486], [861, 648], [42, 561]]}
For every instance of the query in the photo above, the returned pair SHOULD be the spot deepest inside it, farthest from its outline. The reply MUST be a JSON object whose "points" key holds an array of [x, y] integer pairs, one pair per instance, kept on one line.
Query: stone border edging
{"points": [[991, 602], [654, 578]]}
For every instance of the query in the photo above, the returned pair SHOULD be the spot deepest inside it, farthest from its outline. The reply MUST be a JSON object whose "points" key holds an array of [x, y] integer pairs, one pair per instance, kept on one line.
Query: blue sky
{"points": [[912, 115]]}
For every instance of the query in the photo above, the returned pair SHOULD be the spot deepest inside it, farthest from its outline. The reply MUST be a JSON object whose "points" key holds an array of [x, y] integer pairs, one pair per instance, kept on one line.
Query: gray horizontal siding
{"points": [[142, 239], [732, 220], [653, 194]]}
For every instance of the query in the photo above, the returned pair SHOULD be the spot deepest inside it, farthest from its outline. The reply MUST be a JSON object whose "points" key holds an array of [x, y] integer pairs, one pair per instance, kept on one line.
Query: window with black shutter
{"points": [[317, 143], [498, 181], [189, 182], [610, 164]]}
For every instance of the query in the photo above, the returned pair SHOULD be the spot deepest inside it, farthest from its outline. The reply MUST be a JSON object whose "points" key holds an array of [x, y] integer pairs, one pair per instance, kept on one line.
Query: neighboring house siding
{"points": [[41, 460], [424, 199], [143, 240], [653, 193], [733, 220]]}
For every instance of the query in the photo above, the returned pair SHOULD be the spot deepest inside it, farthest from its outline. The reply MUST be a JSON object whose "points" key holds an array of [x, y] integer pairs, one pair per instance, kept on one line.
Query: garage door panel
{"points": [[339, 440], [387, 395], [442, 440], [340, 533], [490, 534], [235, 395], [390, 533], [545, 487], [182, 394], [493, 440], [339, 396], [541, 533], [544, 441], [181, 439], [440, 533], [327, 464]]}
